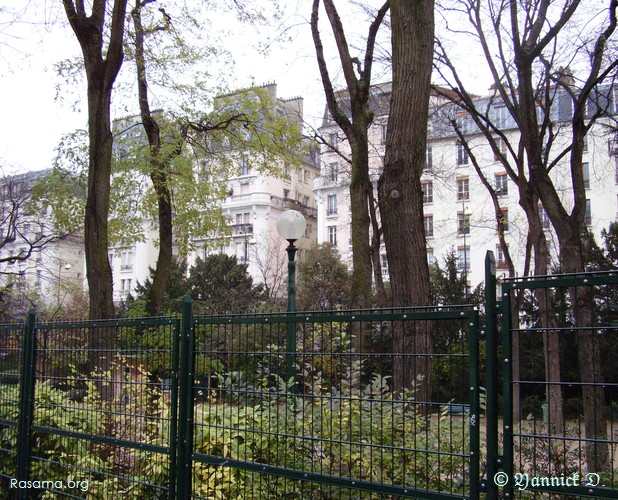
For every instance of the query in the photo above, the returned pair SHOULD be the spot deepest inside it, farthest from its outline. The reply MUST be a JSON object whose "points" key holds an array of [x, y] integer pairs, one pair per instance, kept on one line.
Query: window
{"points": [[332, 235], [615, 100], [333, 140], [126, 259], [384, 264], [502, 115], [383, 129], [306, 201], [585, 147], [504, 219], [500, 260], [431, 260], [331, 206], [545, 223], [463, 258], [462, 154], [427, 192], [286, 194], [306, 176], [463, 223], [586, 170], [428, 221], [501, 144], [244, 167], [463, 189], [429, 159], [502, 184], [588, 213], [333, 174]]}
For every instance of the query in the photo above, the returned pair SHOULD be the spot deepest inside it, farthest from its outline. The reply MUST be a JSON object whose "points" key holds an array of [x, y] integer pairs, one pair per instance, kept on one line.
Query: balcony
{"points": [[242, 229], [288, 203]]}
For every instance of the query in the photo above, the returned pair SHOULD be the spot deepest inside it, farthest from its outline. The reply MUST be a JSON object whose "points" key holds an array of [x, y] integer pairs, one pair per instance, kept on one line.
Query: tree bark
{"points": [[400, 192]]}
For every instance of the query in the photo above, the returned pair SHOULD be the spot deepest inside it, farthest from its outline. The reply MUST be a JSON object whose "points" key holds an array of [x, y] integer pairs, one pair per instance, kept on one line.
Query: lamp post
{"points": [[66, 267], [291, 226]]}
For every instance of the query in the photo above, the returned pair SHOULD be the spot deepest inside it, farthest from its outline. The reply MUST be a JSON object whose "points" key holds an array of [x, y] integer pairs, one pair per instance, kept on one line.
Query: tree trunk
{"points": [[159, 167], [98, 270], [102, 64], [589, 359], [400, 191], [355, 129]]}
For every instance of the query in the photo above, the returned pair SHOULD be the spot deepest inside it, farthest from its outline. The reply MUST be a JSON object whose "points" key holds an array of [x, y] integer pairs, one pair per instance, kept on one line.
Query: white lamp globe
{"points": [[291, 225]]}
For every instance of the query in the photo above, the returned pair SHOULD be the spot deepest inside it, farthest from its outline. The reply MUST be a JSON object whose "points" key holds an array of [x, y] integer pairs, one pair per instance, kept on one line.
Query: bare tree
{"points": [[22, 231], [529, 51], [351, 112]]}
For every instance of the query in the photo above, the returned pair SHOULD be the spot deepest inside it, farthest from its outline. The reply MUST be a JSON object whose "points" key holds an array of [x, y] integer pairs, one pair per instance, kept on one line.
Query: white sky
{"points": [[34, 119]]}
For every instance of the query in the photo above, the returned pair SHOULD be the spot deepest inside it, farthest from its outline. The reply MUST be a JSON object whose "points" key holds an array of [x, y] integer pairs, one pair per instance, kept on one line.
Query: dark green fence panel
{"points": [[343, 428], [560, 350], [105, 409], [11, 353]]}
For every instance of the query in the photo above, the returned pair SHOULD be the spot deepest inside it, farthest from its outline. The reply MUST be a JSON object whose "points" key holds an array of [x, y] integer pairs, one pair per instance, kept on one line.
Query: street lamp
{"points": [[291, 226]]}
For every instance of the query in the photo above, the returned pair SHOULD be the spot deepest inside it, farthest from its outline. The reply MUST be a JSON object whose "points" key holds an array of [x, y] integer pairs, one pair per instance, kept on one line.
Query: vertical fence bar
{"points": [[491, 376], [26, 402], [475, 421], [185, 417], [173, 438], [507, 390]]}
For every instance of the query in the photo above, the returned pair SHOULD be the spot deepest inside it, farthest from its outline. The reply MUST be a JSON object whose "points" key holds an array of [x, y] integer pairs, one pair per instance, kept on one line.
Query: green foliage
{"points": [[219, 284], [323, 280], [177, 287], [448, 284]]}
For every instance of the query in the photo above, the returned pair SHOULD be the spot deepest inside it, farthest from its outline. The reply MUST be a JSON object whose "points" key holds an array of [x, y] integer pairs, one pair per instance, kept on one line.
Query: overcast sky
{"points": [[35, 115]]}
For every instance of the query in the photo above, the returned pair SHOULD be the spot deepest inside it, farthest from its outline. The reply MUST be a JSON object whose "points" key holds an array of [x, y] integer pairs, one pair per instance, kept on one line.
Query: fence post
{"points": [[26, 402], [507, 393], [185, 418], [491, 375], [174, 436]]}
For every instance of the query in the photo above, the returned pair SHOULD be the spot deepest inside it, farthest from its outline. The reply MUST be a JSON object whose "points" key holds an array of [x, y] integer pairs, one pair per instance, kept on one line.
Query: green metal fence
{"points": [[560, 386], [92, 416], [417, 402], [341, 431], [199, 407]]}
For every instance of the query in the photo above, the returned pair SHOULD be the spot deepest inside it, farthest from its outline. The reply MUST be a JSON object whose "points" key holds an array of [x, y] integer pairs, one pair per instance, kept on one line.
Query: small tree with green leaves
{"points": [[323, 280], [220, 285]]}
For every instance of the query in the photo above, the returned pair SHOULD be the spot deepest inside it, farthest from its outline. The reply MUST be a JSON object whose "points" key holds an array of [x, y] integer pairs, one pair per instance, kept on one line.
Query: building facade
{"points": [[255, 198], [37, 264], [459, 214]]}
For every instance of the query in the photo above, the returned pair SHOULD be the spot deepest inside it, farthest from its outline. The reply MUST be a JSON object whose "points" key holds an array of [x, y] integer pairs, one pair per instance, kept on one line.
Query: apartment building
{"points": [[256, 197], [458, 211], [37, 265], [256, 200]]}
